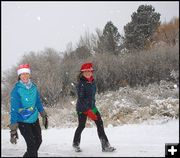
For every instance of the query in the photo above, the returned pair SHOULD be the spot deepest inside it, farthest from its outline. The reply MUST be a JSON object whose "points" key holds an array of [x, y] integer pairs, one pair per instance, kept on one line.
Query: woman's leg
{"points": [[27, 133], [37, 133], [36, 130], [100, 130], [77, 136]]}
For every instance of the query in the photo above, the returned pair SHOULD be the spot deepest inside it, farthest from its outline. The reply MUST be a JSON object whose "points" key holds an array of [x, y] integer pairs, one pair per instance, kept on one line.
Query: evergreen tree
{"points": [[140, 30], [110, 39]]}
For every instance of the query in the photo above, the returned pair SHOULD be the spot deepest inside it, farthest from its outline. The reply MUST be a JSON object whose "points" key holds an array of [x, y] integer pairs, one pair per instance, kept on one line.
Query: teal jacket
{"points": [[25, 101]]}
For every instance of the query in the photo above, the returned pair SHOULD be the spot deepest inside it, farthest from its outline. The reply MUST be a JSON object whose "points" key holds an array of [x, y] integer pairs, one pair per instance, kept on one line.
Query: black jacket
{"points": [[86, 95]]}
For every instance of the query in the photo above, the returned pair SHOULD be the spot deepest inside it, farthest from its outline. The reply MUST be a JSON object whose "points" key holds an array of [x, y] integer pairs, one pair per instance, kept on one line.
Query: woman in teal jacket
{"points": [[25, 105]]}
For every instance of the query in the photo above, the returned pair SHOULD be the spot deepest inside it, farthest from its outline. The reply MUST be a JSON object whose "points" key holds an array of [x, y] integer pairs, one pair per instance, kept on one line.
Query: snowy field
{"points": [[131, 140]]}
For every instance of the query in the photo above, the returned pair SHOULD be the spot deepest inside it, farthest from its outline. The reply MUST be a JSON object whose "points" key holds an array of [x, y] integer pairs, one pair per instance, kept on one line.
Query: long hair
{"points": [[19, 77], [79, 76]]}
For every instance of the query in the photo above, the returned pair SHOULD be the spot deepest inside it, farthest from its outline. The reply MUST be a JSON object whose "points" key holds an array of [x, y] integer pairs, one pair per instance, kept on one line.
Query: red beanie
{"points": [[86, 67]]}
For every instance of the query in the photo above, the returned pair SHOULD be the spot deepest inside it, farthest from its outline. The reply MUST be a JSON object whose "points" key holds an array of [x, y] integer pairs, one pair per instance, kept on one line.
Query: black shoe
{"points": [[26, 154], [108, 149], [76, 148]]}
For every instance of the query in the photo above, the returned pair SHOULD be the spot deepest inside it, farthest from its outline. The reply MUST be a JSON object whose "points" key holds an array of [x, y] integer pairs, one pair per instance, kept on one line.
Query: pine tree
{"points": [[140, 30], [110, 40]]}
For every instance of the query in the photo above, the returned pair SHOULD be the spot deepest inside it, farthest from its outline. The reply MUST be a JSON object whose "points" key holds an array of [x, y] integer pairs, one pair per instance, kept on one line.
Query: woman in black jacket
{"points": [[86, 107]]}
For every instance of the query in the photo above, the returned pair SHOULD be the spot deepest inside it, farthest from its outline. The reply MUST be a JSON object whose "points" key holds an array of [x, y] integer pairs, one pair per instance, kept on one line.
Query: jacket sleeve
{"points": [[39, 103], [14, 103], [84, 101]]}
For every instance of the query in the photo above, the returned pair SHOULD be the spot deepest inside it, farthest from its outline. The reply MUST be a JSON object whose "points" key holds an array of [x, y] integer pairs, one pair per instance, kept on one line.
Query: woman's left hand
{"points": [[44, 119]]}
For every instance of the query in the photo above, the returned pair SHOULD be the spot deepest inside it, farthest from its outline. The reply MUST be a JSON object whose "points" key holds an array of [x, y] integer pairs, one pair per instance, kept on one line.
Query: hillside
{"points": [[124, 106], [127, 105]]}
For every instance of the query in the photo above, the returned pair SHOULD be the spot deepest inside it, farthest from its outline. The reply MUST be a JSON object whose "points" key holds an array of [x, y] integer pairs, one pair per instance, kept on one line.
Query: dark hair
{"points": [[79, 76], [19, 77]]}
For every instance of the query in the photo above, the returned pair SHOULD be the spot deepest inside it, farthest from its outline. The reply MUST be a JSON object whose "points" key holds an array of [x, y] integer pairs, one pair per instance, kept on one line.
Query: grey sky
{"points": [[33, 26]]}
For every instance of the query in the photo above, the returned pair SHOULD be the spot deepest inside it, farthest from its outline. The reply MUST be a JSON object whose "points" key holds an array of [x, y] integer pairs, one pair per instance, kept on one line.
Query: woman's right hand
{"points": [[14, 136], [13, 133]]}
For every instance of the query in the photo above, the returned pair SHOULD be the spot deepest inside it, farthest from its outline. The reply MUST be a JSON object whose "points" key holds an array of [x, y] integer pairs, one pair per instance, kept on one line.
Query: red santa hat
{"points": [[23, 68], [86, 67]]}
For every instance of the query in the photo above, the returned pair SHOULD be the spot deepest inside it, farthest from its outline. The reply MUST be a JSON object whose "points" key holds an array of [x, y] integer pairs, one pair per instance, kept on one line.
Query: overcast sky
{"points": [[33, 26]]}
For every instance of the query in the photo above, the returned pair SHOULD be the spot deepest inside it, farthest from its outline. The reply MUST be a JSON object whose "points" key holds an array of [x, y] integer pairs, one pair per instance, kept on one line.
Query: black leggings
{"points": [[32, 135], [100, 129]]}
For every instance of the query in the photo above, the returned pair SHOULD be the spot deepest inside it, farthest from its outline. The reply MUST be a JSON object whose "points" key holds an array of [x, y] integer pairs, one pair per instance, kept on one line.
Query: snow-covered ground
{"points": [[146, 139]]}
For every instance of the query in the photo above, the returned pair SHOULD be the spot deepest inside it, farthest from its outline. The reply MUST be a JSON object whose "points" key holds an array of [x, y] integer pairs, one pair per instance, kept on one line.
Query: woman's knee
{"points": [[39, 142], [81, 126]]}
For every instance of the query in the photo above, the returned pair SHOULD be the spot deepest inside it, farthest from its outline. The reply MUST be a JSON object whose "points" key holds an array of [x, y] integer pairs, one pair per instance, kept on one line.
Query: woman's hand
{"points": [[90, 114], [44, 119]]}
